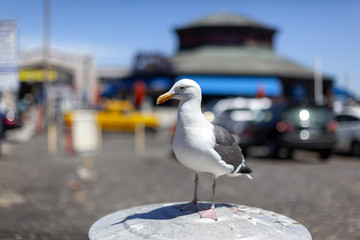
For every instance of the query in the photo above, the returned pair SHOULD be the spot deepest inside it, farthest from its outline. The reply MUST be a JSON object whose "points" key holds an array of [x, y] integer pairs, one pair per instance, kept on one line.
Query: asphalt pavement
{"points": [[51, 197]]}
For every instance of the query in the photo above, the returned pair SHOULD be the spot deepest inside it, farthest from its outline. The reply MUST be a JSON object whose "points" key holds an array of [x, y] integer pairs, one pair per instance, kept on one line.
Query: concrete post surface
{"points": [[165, 221]]}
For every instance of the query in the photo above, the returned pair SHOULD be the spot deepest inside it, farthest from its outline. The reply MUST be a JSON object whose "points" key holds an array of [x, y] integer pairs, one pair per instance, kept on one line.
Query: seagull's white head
{"points": [[183, 90]]}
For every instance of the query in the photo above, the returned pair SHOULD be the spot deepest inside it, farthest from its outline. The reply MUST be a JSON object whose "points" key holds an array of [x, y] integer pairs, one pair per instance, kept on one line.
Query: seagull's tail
{"points": [[245, 170], [242, 170]]}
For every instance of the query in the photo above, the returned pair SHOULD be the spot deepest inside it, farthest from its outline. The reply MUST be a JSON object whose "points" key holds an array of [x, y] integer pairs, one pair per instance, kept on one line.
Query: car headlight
{"points": [[10, 116]]}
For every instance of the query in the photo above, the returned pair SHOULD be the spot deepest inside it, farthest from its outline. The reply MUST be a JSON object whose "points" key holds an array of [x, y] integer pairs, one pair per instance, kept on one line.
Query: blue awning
{"points": [[237, 85], [152, 83], [340, 92], [160, 83], [109, 90]]}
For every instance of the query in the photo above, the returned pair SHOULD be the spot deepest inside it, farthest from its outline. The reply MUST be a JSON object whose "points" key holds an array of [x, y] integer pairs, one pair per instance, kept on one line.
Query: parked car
{"points": [[308, 128], [251, 127], [348, 133], [10, 120], [121, 115]]}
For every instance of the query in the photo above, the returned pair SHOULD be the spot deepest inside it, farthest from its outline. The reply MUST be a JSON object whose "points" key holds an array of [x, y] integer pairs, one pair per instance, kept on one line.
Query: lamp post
{"points": [[318, 81], [49, 111]]}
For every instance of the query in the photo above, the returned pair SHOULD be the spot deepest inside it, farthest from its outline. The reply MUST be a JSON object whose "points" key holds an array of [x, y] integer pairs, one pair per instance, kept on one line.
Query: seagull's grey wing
{"points": [[227, 148]]}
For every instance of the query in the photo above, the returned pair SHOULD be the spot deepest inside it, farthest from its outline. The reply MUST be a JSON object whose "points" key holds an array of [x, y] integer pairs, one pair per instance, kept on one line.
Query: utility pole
{"points": [[318, 81], [46, 44], [48, 107]]}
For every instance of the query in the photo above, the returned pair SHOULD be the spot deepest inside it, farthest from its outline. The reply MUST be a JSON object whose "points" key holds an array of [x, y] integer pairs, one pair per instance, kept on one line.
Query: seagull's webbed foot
{"points": [[189, 206], [209, 213]]}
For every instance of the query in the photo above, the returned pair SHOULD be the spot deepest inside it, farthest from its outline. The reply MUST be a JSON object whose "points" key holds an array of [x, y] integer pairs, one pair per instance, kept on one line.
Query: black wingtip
{"points": [[245, 170]]}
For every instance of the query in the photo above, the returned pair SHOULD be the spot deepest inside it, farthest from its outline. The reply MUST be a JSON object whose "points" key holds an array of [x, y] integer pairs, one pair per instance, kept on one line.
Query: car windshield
{"points": [[249, 115], [307, 116], [240, 115]]}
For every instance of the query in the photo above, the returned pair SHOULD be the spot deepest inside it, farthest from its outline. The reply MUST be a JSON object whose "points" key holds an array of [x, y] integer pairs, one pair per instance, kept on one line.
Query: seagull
{"points": [[200, 145]]}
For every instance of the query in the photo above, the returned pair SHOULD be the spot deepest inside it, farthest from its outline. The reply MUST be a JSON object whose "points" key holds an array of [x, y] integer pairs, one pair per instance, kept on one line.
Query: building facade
{"points": [[229, 55], [70, 77]]}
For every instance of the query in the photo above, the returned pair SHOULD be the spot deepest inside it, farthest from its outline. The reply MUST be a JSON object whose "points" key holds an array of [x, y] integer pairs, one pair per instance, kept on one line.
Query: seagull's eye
{"points": [[182, 88]]}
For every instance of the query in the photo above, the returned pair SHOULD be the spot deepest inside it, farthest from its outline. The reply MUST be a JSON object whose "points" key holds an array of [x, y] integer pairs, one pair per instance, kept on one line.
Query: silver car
{"points": [[348, 133]]}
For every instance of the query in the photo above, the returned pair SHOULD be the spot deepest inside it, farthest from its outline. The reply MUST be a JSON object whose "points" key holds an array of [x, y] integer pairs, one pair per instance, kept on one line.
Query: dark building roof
{"points": [[224, 30], [226, 20], [233, 45]]}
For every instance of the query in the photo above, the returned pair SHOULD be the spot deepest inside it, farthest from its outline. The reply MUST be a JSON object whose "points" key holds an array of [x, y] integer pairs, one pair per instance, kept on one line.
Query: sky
{"points": [[115, 30]]}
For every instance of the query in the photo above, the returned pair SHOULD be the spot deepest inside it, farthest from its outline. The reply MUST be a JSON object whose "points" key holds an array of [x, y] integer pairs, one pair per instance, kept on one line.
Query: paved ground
{"points": [[42, 197]]}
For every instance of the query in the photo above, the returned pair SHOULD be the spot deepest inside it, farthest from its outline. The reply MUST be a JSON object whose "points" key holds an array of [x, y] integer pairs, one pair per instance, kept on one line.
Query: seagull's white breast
{"points": [[193, 146]]}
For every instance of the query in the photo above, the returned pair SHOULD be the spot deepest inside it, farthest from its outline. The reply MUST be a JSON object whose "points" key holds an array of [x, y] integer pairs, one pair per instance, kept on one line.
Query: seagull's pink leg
{"points": [[193, 204], [210, 213]]}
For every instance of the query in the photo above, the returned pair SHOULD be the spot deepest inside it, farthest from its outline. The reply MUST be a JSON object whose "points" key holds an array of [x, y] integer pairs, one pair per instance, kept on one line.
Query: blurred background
{"points": [[81, 135]]}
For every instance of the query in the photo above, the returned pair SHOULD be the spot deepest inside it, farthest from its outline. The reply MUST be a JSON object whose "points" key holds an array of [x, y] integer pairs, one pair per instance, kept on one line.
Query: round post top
{"points": [[165, 221]]}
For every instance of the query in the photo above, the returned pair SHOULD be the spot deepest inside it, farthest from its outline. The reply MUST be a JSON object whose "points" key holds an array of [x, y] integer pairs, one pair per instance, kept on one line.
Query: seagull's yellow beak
{"points": [[163, 98]]}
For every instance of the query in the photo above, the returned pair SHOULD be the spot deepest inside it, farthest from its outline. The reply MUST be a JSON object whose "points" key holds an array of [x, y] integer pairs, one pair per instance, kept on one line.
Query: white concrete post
{"points": [[165, 221]]}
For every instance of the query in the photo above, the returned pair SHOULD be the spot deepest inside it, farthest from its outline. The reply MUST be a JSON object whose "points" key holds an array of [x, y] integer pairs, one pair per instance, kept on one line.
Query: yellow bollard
{"points": [[139, 138], [52, 138]]}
